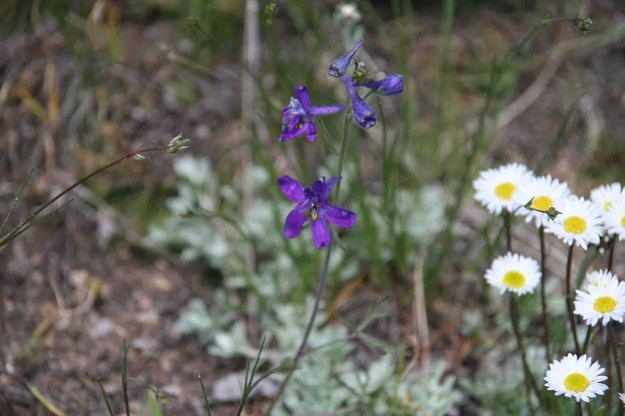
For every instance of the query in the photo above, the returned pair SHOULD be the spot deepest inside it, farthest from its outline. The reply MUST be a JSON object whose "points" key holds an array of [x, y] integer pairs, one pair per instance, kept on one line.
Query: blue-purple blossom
{"points": [[312, 205], [389, 85], [363, 113], [299, 116], [339, 66]]}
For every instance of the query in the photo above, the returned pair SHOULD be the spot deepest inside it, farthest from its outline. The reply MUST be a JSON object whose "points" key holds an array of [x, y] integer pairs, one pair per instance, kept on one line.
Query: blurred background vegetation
{"points": [[183, 256]]}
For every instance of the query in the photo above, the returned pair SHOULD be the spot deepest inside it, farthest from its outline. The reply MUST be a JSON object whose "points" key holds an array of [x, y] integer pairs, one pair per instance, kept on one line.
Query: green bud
{"points": [[528, 204], [138, 156], [552, 213], [177, 144], [271, 10], [584, 25], [360, 72]]}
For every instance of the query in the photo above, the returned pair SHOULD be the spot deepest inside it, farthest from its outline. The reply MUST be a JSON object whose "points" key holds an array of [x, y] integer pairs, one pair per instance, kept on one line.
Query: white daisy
{"points": [[615, 219], [599, 278], [621, 396], [575, 377], [605, 196], [497, 188], [546, 192], [604, 302], [514, 273], [579, 222]]}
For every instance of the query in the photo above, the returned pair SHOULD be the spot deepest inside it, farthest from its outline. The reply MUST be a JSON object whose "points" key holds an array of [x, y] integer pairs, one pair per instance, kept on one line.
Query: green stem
{"points": [[514, 317], [507, 224], [617, 364], [611, 251], [569, 299], [320, 288], [17, 230], [543, 297]]}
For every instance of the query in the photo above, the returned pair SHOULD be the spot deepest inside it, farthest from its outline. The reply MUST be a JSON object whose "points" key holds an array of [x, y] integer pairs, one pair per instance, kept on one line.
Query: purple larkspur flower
{"points": [[389, 85], [312, 205], [299, 116], [339, 66], [363, 113]]}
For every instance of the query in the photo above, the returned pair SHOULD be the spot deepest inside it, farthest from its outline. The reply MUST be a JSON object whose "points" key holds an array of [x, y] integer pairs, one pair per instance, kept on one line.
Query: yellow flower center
{"points": [[607, 205], [514, 279], [604, 304], [542, 203], [623, 222], [576, 382], [574, 225], [505, 190]]}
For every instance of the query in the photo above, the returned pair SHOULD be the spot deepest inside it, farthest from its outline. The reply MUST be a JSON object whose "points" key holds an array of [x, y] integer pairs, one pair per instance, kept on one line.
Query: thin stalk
{"points": [[543, 297], [514, 317], [569, 299], [611, 252], [589, 334], [578, 409], [320, 288], [507, 224], [16, 231], [617, 364]]}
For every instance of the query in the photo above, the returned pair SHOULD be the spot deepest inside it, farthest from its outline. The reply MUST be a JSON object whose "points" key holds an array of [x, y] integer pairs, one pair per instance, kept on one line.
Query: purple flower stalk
{"points": [[312, 204], [363, 113], [299, 116], [390, 85], [339, 66]]}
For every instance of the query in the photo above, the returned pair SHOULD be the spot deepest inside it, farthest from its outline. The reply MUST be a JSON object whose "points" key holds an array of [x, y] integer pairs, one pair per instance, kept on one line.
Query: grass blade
{"points": [[45, 402], [109, 408]]}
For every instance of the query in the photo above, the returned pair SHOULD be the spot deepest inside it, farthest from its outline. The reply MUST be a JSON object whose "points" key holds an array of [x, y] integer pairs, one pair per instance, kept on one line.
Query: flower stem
{"points": [[514, 317], [320, 287], [569, 299], [543, 297], [578, 409], [22, 226], [612, 245], [507, 224], [617, 364]]}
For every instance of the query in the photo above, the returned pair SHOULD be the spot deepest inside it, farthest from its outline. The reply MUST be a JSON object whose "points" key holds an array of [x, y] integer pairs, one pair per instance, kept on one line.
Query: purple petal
{"points": [[291, 188], [390, 85], [340, 217], [311, 132], [319, 188], [289, 133], [339, 66], [301, 93], [326, 109], [295, 221], [330, 185], [321, 235], [363, 113]]}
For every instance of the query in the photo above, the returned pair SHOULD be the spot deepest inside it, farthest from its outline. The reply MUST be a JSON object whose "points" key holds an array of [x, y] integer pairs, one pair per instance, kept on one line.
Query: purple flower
{"points": [[298, 117], [390, 85], [339, 66], [363, 113], [312, 204]]}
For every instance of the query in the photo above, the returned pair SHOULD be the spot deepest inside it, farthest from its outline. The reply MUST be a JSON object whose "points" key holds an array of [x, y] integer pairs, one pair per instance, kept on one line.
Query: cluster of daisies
{"points": [[548, 203]]}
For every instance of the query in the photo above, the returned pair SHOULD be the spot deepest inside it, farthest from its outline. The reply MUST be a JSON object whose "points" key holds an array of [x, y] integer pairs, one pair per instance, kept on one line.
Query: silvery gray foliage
{"points": [[327, 379]]}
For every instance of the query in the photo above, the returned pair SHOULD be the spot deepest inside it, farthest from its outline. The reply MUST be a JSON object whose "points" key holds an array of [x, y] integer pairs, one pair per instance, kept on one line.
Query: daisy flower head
{"points": [[497, 189], [615, 219], [545, 192], [576, 377], [579, 222], [599, 278], [513, 273], [604, 301], [605, 196]]}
